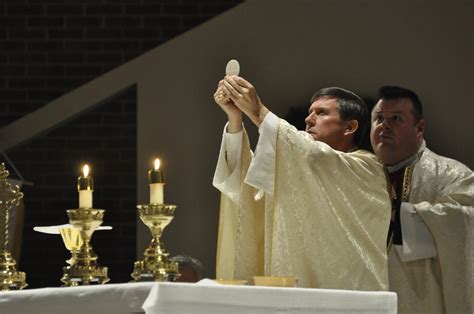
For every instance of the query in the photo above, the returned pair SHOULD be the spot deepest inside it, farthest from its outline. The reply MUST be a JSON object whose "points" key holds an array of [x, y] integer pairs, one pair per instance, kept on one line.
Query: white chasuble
{"points": [[326, 222], [442, 193]]}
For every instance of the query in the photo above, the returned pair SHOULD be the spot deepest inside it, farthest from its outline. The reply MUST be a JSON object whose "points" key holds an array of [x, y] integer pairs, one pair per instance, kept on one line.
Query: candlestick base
{"points": [[10, 279], [83, 268], [155, 265]]}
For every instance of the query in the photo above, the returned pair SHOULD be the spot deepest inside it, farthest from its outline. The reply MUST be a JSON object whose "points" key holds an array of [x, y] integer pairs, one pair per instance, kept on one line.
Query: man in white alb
{"points": [[431, 260], [324, 211]]}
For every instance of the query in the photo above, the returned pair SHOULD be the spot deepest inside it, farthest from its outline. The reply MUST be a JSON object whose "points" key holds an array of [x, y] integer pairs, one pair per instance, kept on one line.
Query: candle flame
{"points": [[85, 170], [157, 164]]}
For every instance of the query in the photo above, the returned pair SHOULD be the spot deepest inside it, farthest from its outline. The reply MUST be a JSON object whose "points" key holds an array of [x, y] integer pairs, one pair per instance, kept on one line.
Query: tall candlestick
{"points": [[85, 186], [155, 178]]}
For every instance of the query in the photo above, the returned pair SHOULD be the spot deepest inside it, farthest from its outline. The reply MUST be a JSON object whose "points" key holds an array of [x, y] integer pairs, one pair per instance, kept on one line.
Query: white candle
{"points": [[85, 199], [155, 178], [85, 186]]}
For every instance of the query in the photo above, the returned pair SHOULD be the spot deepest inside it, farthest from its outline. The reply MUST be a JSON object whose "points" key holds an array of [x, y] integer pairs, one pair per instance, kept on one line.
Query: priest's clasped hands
{"points": [[235, 95]]}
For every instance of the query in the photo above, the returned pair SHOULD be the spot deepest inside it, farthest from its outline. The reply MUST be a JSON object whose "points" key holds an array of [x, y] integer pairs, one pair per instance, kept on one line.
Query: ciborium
{"points": [[155, 265], [10, 196], [83, 268]]}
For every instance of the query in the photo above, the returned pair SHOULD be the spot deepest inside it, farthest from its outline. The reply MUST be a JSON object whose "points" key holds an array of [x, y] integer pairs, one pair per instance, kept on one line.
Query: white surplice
{"points": [[442, 198]]}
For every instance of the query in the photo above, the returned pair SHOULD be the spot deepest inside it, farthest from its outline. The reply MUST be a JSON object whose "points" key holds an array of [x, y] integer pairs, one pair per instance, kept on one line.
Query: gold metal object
{"points": [[407, 183], [155, 176], [10, 196], [85, 182], [155, 265], [275, 281], [231, 282], [83, 268], [406, 188], [71, 238]]}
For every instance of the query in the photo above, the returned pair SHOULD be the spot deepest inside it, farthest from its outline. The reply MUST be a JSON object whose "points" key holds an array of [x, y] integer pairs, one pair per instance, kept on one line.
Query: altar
{"points": [[86, 291], [203, 297]]}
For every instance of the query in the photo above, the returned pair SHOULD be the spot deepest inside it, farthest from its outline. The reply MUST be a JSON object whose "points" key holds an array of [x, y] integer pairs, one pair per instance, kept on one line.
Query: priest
{"points": [[429, 237], [431, 259], [307, 204]]}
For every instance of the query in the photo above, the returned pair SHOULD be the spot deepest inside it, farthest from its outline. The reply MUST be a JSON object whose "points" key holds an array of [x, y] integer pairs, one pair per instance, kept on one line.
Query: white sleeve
{"points": [[261, 173], [233, 149], [418, 242], [227, 175]]}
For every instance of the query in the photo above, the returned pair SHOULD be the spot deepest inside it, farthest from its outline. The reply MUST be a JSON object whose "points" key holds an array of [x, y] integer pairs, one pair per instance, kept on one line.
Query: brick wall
{"points": [[48, 48]]}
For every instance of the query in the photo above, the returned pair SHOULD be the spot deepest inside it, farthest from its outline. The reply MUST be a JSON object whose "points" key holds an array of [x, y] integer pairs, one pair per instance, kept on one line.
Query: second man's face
{"points": [[395, 134], [324, 123]]}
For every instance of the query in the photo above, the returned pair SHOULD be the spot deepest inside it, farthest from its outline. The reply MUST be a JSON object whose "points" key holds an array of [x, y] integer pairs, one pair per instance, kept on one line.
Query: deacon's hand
{"points": [[234, 114], [245, 97]]}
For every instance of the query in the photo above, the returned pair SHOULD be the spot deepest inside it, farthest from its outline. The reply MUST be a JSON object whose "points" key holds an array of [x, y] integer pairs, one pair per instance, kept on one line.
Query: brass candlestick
{"points": [[10, 196], [83, 268], [155, 265]]}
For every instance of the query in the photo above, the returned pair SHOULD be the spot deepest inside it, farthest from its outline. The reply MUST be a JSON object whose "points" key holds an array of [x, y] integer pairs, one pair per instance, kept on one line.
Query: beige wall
{"points": [[288, 49]]}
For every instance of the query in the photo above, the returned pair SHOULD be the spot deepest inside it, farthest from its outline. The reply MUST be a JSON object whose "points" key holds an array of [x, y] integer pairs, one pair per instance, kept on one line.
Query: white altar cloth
{"points": [[173, 298], [169, 298], [101, 299]]}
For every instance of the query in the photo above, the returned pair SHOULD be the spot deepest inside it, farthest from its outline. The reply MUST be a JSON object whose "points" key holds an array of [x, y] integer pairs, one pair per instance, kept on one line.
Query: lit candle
{"points": [[155, 178], [85, 186]]}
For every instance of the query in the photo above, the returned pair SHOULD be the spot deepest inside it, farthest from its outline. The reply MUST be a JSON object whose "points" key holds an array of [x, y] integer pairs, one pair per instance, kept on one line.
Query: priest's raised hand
{"points": [[234, 114], [245, 97]]}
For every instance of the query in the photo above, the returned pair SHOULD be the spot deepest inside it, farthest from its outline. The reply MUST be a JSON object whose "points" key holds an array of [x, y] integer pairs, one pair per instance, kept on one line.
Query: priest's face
{"points": [[395, 133], [324, 122]]}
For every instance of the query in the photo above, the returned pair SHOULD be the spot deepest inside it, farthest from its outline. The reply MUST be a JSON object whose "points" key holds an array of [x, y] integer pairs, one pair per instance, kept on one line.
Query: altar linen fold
{"points": [[326, 222]]}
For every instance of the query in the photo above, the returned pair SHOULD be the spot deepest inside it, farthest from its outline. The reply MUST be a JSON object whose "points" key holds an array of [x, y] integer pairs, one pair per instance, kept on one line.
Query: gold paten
{"points": [[83, 268], [273, 281], [10, 196], [231, 282], [155, 265]]}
